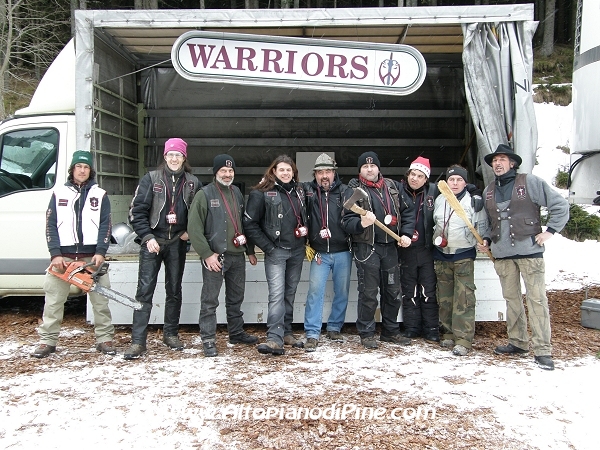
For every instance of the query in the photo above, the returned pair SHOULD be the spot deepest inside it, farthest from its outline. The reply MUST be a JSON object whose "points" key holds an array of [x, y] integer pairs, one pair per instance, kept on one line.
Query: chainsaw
{"points": [[83, 275]]}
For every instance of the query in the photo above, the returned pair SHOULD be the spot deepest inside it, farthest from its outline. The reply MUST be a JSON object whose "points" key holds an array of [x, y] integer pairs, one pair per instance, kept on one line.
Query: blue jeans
{"points": [[339, 264], [234, 274], [283, 268]]}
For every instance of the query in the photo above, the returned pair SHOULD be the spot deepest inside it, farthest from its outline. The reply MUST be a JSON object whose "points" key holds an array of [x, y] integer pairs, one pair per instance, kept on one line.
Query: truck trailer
{"points": [[584, 182], [116, 91]]}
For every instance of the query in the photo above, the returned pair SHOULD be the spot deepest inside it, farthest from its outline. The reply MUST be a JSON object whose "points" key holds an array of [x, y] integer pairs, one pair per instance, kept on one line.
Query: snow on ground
{"points": [[168, 404], [569, 265], [157, 403], [554, 130]]}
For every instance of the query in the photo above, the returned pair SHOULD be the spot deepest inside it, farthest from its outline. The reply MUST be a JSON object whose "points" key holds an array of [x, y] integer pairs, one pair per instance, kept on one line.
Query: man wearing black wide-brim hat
{"points": [[516, 239]]}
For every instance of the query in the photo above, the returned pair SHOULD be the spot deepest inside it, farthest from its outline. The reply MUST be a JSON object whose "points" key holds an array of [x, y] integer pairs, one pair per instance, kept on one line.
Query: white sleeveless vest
{"points": [[66, 218]]}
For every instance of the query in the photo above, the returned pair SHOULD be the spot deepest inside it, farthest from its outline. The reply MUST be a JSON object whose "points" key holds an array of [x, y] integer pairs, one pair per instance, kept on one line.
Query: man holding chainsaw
{"points": [[159, 216], [375, 252], [324, 198], [216, 232], [78, 227]]}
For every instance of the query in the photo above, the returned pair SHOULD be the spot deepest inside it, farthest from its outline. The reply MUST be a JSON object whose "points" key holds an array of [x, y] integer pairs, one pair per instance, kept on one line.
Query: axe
{"points": [[360, 194]]}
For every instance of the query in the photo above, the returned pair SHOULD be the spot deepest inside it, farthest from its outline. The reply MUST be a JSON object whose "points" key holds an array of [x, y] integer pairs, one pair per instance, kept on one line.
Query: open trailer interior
{"points": [[118, 95]]}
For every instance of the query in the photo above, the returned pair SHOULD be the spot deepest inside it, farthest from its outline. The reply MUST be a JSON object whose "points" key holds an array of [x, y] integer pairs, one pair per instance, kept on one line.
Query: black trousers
{"points": [[420, 309], [173, 257], [378, 271]]}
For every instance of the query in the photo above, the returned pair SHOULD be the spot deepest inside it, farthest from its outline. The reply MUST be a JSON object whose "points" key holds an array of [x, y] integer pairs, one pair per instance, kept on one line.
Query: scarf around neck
{"points": [[373, 184]]}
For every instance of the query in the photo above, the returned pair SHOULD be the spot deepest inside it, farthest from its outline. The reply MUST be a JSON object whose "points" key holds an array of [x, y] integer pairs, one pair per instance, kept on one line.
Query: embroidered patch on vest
{"points": [[521, 192], [215, 203], [63, 202], [271, 194], [429, 202], [489, 195], [157, 187], [94, 203]]}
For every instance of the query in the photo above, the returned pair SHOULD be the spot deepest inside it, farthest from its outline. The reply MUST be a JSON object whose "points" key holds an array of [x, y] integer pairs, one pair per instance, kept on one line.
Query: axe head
{"points": [[357, 195]]}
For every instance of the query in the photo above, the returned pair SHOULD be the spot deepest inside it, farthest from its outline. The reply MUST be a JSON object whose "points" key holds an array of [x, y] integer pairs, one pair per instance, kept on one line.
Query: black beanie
{"points": [[368, 158], [460, 171], [222, 161]]}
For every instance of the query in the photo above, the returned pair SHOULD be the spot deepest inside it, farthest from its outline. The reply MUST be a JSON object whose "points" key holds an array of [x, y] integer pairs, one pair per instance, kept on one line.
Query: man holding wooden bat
{"points": [[454, 254]]}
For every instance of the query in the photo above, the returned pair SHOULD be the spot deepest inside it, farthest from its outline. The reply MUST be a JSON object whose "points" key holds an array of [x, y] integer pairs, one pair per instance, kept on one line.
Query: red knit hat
{"points": [[421, 164]]}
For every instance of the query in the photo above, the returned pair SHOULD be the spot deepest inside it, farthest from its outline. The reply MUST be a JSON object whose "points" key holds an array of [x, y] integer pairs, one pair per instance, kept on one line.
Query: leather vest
{"points": [[215, 228], [160, 197], [521, 214], [274, 212]]}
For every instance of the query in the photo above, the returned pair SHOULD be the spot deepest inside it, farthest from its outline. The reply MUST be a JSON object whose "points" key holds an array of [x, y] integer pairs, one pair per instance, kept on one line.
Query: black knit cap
{"points": [[222, 161], [459, 171], [368, 158]]}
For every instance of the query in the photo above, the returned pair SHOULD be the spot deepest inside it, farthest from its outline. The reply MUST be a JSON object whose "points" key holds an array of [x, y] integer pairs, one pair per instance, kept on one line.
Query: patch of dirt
{"points": [[19, 317], [569, 339]]}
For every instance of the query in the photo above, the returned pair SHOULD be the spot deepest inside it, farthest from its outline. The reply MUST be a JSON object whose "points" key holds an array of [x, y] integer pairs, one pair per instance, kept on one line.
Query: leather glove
{"points": [[476, 199]]}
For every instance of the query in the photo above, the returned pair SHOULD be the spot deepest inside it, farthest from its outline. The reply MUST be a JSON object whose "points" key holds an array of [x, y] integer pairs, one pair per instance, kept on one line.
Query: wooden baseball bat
{"points": [[459, 210]]}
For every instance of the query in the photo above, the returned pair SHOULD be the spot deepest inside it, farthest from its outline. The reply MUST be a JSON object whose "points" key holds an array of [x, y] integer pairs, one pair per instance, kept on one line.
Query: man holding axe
{"points": [[378, 219]]}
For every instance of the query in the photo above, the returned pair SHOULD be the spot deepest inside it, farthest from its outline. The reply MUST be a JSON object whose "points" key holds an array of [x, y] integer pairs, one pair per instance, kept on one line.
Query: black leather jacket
{"points": [[331, 205], [269, 220], [425, 198], [148, 211], [401, 208]]}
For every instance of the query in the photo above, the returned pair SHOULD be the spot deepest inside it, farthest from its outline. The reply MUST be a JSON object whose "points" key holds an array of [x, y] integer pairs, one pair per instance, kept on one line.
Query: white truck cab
{"points": [[35, 155]]}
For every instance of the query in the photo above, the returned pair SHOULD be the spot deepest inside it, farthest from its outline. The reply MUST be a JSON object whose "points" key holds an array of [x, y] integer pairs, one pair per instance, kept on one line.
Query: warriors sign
{"points": [[299, 63]]}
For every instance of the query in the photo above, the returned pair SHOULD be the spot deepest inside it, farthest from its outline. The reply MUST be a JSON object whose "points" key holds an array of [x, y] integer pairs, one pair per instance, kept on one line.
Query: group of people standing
{"points": [[427, 269]]}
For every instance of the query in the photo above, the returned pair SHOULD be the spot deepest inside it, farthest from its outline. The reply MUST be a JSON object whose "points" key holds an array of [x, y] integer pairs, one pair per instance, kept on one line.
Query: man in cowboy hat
{"points": [[516, 239]]}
